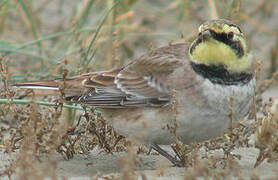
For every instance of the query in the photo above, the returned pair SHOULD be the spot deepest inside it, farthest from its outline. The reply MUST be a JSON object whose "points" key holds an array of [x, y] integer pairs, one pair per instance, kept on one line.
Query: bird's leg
{"points": [[178, 163], [178, 154]]}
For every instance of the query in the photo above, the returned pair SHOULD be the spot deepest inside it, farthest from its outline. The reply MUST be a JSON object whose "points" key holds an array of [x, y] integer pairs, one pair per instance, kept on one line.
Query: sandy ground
{"points": [[100, 166], [152, 166], [108, 165]]}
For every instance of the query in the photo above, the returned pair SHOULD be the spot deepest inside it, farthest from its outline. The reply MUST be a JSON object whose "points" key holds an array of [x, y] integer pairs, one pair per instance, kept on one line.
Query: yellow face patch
{"points": [[214, 53]]}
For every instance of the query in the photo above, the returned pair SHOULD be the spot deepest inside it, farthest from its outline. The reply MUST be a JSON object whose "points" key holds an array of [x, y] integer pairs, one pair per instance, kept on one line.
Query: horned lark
{"points": [[192, 87]]}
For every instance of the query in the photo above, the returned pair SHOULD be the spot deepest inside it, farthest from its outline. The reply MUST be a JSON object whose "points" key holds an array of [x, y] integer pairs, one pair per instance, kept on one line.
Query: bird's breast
{"points": [[207, 112]]}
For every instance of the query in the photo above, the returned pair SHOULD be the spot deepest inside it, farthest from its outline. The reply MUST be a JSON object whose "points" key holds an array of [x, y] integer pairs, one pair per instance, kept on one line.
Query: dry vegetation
{"points": [[48, 39]]}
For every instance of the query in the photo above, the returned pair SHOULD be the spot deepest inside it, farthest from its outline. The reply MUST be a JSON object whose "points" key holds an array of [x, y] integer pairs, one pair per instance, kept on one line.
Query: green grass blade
{"points": [[3, 3], [29, 17], [22, 101], [97, 31], [85, 14]]}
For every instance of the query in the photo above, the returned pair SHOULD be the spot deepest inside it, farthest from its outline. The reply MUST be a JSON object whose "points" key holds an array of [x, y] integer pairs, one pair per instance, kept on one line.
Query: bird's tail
{"points": [[70, 86], [40, 85]]}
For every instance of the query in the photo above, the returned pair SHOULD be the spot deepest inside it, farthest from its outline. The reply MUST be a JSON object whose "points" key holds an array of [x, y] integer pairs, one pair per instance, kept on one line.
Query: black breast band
{"points": [[220, 75]]}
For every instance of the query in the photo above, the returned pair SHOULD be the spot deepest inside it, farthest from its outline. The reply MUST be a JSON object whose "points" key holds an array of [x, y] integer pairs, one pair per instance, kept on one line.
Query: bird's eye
{"points": [[230, 35]]}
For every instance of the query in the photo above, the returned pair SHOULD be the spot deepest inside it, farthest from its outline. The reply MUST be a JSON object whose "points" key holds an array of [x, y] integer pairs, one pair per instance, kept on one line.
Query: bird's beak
{"points": [[202, 37], [205, 35]]}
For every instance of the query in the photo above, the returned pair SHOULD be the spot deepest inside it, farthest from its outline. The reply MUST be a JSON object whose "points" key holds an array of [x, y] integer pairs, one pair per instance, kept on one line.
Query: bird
{"points": [[191, 87]]}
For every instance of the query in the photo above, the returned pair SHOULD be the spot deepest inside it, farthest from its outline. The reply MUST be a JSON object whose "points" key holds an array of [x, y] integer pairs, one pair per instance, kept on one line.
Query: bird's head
{"points": [[221, 43]]}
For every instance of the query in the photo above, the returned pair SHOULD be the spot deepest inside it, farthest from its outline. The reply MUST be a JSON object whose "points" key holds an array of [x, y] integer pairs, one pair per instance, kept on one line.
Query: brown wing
{"points": [[140, 83]]}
